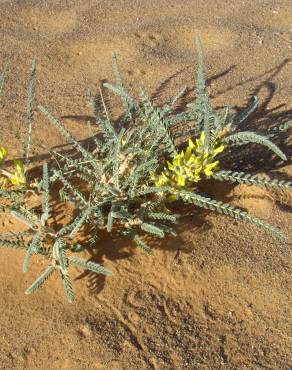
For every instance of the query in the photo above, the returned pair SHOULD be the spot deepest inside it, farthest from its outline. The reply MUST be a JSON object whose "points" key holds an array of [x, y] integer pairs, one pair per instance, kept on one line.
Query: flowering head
{"points": [[189, 166], [18, 177]]}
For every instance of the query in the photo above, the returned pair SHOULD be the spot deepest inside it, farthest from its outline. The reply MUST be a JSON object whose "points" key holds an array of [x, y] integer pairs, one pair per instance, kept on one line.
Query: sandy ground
{"points": [[223, 303]]}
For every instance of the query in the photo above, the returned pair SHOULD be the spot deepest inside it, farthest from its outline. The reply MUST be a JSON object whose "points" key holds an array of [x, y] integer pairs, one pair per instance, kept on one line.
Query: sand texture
{"points": [[224, 300]]}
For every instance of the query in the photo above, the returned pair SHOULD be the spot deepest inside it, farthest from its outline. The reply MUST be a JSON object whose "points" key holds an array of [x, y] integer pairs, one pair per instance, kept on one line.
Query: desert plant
{"points": [[122, 180], [131, 173]]}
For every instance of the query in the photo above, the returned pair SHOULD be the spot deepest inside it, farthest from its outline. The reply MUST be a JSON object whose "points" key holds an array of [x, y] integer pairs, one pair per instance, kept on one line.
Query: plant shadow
{"points": [[115, 247]]}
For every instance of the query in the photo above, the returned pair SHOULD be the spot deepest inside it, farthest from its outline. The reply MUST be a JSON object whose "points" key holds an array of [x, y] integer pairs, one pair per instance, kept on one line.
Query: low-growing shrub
{"points": [[133, 173]]}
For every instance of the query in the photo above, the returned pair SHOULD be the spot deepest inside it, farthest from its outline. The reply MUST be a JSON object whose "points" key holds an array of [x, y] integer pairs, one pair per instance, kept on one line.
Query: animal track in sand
{"points": [[135, 72], [134, 298], [177, 45], [147, 39]]}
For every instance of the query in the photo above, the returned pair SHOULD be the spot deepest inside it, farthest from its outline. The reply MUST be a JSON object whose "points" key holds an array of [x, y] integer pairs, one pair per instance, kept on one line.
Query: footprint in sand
{"points": [[136, 72], [133, 76], [134, 298], [151, 40]]}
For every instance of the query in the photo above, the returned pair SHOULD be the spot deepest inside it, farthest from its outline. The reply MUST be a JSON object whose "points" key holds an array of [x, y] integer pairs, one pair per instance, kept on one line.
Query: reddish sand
{"points": [[223, 302]]}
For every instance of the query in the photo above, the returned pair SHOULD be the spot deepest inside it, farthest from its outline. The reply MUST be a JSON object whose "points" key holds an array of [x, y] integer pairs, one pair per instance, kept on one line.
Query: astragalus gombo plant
{"points": [[133, 173]]}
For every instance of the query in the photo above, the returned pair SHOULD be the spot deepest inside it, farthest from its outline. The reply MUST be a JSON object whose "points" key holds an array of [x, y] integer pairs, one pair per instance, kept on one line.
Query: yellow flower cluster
{"points": [[18, 177], [190, 165]]}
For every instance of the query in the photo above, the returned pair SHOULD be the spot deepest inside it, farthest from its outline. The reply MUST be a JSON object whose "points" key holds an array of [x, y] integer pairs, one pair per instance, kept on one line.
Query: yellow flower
{"points": [[187, 168], [218, 150], [3, 153], [208, 170], [18, 177]]}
